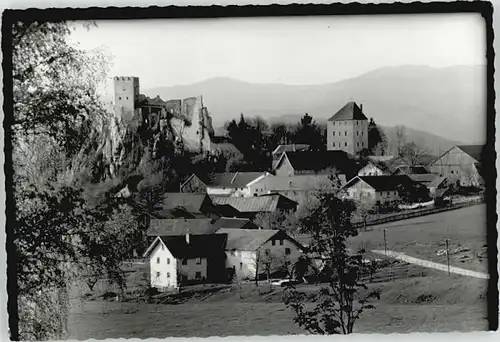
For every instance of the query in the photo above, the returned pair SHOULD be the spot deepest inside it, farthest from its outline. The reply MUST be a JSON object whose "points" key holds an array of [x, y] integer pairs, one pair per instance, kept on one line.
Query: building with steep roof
{"points": [[186, 259], [317, 162], [378, 189], [280, 149], [461, 163], [347, 130], [234, 184], [251, 206], [181, 227], [250, 251]]}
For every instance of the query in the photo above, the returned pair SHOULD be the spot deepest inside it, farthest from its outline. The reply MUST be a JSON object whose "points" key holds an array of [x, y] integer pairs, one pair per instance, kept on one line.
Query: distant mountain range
{"points": [[439, 102]]}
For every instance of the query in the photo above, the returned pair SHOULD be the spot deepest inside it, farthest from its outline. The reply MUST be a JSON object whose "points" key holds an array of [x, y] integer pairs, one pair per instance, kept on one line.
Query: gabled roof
{"points": [[233, 179], [321, 160], [234, 223], [199, 246], [411, 170], [308, 182], [253, 204], [189, 202], [290, 148], [246, 239], [429, 180], [350, 111], [382, 183], [475, 151], [173, 227]]}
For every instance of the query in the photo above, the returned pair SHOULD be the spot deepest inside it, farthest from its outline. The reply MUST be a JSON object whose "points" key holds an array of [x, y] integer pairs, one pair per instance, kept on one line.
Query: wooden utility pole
{"points": [[448, 256], [385, 245]]}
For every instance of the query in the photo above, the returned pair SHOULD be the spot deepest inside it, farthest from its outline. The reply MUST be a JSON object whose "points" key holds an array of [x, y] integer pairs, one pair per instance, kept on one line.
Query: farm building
{"points": [[251, 206], [298, 188], [432, 181], [316, 162], [234, 223], [186, 259], [177, 227], [186, 205], [373, 168], [461, 163], [250, 251], [278, 151], [377, 189], [223, 184], [347, 130]]}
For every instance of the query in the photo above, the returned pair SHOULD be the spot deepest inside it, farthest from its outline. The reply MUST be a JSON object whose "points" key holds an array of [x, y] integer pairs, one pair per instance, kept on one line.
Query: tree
{"points": [[279, 219], [412, 153], [308, 132], [377, 141], [400, 140], [339, 304]]}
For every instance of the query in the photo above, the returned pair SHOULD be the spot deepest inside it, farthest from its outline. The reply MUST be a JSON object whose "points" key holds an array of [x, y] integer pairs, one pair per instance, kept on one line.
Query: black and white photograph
{"points": [[249, 175]]}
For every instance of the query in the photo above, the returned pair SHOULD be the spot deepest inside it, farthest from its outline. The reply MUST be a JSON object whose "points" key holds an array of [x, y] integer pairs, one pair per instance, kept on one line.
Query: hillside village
{"points": [[212, 230]]}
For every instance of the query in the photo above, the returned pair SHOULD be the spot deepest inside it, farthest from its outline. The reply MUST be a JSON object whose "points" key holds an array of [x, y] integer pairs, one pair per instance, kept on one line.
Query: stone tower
{"points": [[125, 97], [347, 130]]}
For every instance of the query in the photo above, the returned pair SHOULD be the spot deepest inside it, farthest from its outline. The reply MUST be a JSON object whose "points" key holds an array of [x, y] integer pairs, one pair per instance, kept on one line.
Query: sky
{"points": [[287, 50]]}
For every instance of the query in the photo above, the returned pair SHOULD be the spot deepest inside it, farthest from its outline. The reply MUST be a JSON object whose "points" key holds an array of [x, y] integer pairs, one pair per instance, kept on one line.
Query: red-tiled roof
{"points": [[350, 111]]}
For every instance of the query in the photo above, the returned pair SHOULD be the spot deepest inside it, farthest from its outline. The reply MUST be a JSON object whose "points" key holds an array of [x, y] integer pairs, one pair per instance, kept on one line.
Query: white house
{"points": [[376, 189], [227, 184], [250, 251], [181, 260], [372, 169]]}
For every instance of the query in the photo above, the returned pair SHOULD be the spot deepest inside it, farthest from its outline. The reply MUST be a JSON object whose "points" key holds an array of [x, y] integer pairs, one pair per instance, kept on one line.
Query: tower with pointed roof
{"points": [[347, 130]]}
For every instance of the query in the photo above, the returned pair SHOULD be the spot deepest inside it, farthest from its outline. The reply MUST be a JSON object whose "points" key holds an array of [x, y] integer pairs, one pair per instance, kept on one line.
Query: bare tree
{"points": [[400, 139], [413, 152]]}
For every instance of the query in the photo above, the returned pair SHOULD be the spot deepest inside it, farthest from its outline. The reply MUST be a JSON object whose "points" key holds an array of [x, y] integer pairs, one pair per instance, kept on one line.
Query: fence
{"points": [[456, 204]]}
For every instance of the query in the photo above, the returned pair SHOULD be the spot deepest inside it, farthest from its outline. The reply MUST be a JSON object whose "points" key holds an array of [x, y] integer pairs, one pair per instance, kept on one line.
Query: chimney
{"points": [[187, 238], [361, 107], [294, 148]]}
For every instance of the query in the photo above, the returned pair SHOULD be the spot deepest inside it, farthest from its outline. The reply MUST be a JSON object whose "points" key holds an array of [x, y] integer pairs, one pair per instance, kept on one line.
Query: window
{"points": [[168, 274], [232, 253], [197, 275], [198, 261], [158, 260], [287, 251], [127, 97], [361, 132], [281, 242], [333, 123], [241, 265], [119, 98], [157, 274], [333, 133], [333, 144], [345, 133], [168, 261], [267, 251], [273, 242], [345, 143], [184, 261], [162, 247], [357, 133]]}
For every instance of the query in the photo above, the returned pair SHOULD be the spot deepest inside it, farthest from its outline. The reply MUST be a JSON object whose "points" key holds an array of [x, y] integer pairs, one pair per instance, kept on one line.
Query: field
{"points": [[424, 236], [413, 299], [426, 304]]}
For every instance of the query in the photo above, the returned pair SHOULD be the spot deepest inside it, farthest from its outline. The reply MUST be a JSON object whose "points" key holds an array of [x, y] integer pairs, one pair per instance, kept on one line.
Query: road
{"points": [[430, 264]]}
